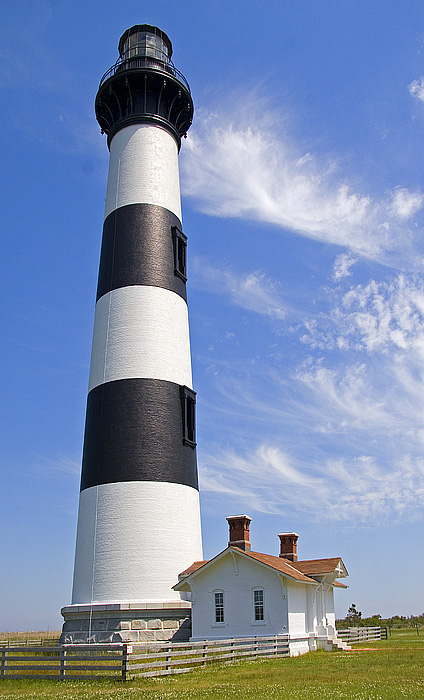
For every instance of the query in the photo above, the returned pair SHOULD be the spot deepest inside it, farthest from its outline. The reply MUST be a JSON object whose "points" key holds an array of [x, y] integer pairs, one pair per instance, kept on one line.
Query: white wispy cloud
{"points": [[416, 88], [346, 442], [59, 467], [345, 397], [380, 405], [405, 203], [342, 266], [375, 317], [376, 383], [390, 313], [339, 430], [66, 465], [244, 165], [349, 490], [252, 291]]}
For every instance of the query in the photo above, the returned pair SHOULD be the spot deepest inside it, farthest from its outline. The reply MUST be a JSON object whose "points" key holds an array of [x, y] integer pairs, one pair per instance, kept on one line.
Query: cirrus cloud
{"points": [[245, 166], [416, 88], [344, 490]]}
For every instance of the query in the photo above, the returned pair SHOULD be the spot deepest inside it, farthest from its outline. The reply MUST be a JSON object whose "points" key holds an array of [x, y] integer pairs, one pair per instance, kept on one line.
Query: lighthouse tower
{"points": [[139, 519]]}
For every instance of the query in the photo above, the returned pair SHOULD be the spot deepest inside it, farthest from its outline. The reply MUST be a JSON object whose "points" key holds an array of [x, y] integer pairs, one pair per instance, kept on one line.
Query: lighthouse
{"points": [[139, 517]]}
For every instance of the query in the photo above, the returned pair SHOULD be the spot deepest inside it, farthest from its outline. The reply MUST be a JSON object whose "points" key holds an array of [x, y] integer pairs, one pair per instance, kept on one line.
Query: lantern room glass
{"points": [[145, 45]]}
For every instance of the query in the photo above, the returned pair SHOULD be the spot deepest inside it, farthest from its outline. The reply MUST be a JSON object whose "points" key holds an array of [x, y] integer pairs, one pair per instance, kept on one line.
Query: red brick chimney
{"points": [[288, 545], [239, 531]]}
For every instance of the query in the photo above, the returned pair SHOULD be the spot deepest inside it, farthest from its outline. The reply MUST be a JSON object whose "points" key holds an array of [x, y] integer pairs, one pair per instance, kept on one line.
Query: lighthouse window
{"points": [[188, 401], [180, 253], [145, 44]]}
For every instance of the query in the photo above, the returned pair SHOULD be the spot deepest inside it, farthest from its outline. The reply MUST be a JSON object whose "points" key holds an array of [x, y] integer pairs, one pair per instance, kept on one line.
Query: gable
{"points": [[234, 569], [281, 565], [318, 567], [276, 565]]}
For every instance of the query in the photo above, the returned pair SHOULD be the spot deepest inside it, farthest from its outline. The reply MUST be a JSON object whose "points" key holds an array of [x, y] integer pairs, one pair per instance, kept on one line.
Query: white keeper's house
{"points": [[240, 593]]}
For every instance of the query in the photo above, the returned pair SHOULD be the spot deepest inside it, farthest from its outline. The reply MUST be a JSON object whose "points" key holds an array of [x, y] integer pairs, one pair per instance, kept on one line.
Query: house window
{"points": [[188, 403], [180, 253], [258, 602], [219, 606]]}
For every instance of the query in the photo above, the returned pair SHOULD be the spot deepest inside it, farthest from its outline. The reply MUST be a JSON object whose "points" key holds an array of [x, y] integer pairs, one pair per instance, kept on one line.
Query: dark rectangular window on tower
{"points": [[180, 253], [188, 402]]}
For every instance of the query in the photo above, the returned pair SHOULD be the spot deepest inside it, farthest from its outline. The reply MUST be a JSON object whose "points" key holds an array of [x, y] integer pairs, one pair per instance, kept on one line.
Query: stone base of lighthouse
{"points": [[126, 622]]}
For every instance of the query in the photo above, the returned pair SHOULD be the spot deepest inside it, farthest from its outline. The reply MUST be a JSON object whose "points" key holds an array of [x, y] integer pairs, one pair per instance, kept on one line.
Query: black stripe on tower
{"points": [[142, 245], [136, 430]]}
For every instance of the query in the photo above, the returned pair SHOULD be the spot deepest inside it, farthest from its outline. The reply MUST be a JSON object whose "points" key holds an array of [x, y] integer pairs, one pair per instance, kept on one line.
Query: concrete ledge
{"points": [[100, 607], [126, 622]]}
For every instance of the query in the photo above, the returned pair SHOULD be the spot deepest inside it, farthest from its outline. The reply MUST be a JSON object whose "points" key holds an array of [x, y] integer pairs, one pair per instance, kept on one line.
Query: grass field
{"points": [[386, 670]]}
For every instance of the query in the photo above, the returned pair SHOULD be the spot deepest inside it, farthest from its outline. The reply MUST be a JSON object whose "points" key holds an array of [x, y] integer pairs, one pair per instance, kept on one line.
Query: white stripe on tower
{"points": [[153, 180], [131, 523], [140, 331], [139, 517]]}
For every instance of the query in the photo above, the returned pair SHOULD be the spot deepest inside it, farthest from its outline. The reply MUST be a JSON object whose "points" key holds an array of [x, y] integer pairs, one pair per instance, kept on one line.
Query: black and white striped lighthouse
{"points": [[139, 518]]}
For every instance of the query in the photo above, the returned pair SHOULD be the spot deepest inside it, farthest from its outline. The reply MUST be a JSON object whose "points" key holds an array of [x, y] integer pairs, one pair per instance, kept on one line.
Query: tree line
{"points": [[354, 619]]}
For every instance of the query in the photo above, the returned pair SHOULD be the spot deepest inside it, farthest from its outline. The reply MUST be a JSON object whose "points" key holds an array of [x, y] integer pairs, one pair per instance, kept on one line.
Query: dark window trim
{"points": [[179, 241], [188, 405]]}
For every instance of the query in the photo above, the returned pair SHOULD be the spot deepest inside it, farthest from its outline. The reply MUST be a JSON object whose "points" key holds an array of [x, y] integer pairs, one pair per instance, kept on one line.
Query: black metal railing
{"points": [[133, 58]]}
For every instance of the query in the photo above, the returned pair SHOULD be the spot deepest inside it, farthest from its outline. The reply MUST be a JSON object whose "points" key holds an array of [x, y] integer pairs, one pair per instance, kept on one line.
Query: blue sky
{"points": [[303, 200]]}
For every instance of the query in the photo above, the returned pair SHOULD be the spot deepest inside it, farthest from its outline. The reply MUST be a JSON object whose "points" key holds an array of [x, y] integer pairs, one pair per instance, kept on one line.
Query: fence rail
{"points": [[355, 635], [44, 642], [124, 661], [180, 658], [58, 663]]}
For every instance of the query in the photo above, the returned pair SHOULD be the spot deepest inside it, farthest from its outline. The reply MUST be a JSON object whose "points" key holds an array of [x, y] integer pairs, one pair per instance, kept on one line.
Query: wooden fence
{"points": [[44, 642], [355, 635], [81, 661], [57, 663]]}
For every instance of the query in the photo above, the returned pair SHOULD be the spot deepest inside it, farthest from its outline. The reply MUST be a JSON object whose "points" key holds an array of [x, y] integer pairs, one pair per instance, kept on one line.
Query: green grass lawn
{"points": [[395, 670]]}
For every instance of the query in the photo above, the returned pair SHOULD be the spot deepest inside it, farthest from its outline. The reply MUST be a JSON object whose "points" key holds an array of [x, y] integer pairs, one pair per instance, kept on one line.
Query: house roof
{"points": [[299, 571], [193, 567], [280, 564], [315, 567], [339, 584]]}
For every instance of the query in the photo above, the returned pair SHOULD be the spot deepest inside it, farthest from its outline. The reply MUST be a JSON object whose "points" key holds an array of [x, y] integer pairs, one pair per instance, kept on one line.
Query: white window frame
{"points": [[254, 591], [216, 607]]}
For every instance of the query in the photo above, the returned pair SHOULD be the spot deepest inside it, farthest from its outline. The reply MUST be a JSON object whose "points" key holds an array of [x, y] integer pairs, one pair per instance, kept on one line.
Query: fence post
{"points": [[3, 663], [168, 657], [124, 662], [232, 655], [278, 646], [62, 656], [205, 653]]}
